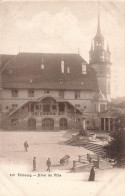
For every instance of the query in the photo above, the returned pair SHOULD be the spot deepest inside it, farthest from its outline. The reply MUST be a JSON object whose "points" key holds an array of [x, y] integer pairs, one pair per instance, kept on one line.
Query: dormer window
{"points": [[42, 66], [61, 80], [62, 66], [83, 68]]}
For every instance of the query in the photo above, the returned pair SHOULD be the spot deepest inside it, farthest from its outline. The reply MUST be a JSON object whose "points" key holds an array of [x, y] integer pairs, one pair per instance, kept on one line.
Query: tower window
{"points": [[68, 70]]}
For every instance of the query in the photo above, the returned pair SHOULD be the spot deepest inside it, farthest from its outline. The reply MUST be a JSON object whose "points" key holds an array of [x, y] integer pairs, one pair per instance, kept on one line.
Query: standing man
{"points": [[48, 163], [34, 164], [26, 146]]}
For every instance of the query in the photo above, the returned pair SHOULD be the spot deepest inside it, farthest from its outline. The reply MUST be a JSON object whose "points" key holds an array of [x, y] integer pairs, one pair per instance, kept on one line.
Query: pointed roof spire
{"points": [[99, 34], [98, 26]]}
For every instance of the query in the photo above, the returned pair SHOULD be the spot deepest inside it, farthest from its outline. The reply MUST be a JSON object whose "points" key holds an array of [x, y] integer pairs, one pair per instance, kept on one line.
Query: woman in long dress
{"points": [[92, 174]]}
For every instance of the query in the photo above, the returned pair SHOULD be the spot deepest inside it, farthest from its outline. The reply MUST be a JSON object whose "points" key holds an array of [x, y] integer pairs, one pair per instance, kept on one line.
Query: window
{"points": [[46, 108], [61, 94], [46, 92], [61, 81], [37, 107], [54, 107], [62, 66], [42, 66], [61, 107], [14, 93], [30, 93], [77, 94], [14, 105], [102, 107], [83, 68], [68, 70]]}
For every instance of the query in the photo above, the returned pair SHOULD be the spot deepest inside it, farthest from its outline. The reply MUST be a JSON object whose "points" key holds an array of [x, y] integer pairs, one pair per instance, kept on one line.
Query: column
{"points": [[104, 124], [109, 124], [29, 108], [65, 108], [57, 108]]}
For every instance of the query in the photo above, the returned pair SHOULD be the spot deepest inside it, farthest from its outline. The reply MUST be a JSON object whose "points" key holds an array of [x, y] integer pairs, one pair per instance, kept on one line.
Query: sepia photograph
{"points": [[62, 98]]}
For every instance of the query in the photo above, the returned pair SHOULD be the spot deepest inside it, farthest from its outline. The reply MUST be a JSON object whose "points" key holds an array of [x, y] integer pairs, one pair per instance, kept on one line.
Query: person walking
{"points": [[34, 164], [92, 174], [26, 146], [48, 163]]}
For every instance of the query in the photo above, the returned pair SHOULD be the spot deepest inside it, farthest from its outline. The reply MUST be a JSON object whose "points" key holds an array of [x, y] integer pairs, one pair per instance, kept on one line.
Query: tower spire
{"points": [[98, 25]]}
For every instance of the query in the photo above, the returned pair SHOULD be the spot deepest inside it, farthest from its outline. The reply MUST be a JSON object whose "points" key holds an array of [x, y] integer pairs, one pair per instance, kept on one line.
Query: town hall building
{"points": [[54, 91]]}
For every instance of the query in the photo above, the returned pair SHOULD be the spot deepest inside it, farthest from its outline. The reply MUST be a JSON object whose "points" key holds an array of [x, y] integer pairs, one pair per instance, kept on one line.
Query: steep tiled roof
{"points": [[24, 71], [5, 58]]}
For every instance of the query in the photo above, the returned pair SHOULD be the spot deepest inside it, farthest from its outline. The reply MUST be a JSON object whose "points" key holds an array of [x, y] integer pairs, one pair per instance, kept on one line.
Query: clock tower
{"points": [[99, 59]]}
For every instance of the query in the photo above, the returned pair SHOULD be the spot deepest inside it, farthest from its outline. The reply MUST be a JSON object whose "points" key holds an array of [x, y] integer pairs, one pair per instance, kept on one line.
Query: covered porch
{"points": [[47, 113]]}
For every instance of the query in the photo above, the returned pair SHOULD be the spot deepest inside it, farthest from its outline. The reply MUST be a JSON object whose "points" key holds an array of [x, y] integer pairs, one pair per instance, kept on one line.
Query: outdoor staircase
{"points": [[96, 148]]}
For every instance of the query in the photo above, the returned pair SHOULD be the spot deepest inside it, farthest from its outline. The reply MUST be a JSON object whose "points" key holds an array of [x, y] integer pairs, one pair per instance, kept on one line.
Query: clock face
{"points": [[102, 69]]}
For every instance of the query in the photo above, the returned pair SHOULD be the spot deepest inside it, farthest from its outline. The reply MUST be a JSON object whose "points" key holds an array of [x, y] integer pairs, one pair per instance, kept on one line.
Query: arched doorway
{"points": [[47, 124], [63, 124], [31, 124]]}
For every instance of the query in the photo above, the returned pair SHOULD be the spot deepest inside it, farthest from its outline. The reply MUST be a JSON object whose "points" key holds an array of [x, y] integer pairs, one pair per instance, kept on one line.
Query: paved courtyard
{"points": [[60, 181]]}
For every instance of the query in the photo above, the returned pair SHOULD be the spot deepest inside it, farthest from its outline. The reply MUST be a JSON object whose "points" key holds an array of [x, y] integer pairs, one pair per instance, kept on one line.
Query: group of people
{"points": [[48, 163]]}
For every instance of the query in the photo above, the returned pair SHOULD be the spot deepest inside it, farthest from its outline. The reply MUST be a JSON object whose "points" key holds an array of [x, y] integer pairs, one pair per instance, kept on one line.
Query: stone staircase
{"points": [[92, 146], [96, 148]]}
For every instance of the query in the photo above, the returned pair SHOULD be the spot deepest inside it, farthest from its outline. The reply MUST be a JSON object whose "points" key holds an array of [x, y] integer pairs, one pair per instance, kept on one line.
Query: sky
{"points": [[65, 27]]}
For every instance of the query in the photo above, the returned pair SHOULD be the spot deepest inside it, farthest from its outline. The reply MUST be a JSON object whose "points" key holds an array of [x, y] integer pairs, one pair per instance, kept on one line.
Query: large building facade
{"points": [[48, 91]]}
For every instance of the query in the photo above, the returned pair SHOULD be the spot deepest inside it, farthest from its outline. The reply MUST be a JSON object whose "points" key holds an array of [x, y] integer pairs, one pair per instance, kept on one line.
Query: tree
{"points": [[115, 149]]}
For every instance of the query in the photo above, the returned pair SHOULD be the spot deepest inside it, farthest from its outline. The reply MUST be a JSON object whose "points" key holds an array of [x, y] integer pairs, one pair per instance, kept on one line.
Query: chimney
{"points": [[62, 66], [42, 65]]}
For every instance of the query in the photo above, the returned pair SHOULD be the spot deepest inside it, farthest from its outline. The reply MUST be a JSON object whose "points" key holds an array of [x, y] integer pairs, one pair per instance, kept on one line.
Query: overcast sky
{"points": [[65, 26]]}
